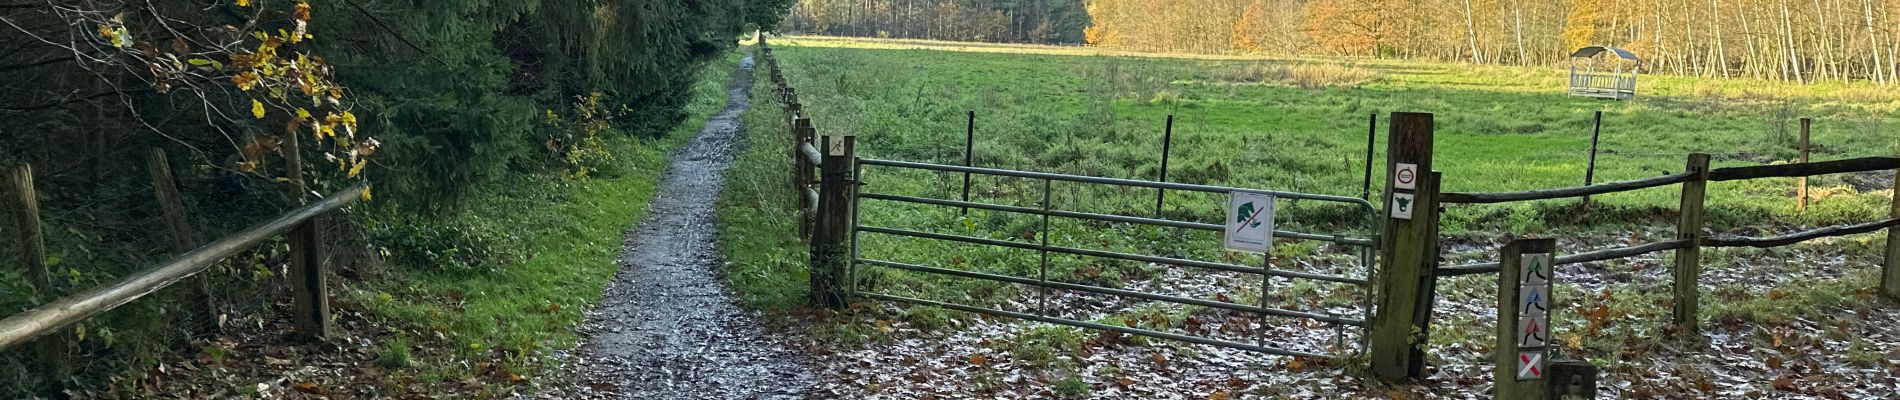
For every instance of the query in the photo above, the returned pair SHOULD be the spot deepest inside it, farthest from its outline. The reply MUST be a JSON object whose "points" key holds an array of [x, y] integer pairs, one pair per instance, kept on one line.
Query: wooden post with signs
{"points": [[1524, 308], [51, 348], [1408, 250], [1890, 276], [830, 246], [1688, 268]]}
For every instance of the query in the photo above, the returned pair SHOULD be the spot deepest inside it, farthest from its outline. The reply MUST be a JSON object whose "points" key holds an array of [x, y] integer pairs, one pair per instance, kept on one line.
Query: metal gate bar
{"points": [[1115, 292], [1119, 256], [1111, 218], [1362, 203], [1043, 285], [1098, 326]]}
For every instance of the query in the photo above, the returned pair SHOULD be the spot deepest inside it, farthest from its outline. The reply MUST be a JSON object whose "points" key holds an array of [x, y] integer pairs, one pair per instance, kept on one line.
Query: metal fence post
{"points": [[1801, 183], [1890, 277], [969, 158], [1409, 253], [1506, 353], [51, 348], [1689, 257], [830, 255], [1167, 144], [1590, 172], [1372, 132]]}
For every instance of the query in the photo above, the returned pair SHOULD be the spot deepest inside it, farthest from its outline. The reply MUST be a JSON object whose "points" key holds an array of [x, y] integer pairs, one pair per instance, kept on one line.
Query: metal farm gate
{"points": [[1366, 248]]}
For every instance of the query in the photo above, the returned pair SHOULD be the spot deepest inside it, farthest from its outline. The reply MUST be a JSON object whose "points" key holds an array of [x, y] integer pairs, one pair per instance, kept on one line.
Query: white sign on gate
{"points": [[1402, 204], [1249, 222], [1405, 177]]}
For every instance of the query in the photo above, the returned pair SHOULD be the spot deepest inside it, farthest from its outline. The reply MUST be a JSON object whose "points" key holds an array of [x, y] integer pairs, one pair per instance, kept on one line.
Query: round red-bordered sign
{"points": [[1405, 177]]}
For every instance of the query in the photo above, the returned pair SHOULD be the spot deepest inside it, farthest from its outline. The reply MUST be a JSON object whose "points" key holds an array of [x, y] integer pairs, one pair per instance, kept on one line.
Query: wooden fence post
{"points": [[830, 252], [51, 348], [1890, 278], [183, 237], [1506, 352], [1689, 258], [1408, 251], [309, 293], [1801, 183], [802, 177]]}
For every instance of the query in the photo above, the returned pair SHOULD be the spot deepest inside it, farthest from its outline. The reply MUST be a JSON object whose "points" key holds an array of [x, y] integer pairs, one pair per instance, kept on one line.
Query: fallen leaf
{"points": [[1784, 383], [1773, 362], [1161, 360], [307, 387], [554, 308], [978, 359], [1218, 395]]}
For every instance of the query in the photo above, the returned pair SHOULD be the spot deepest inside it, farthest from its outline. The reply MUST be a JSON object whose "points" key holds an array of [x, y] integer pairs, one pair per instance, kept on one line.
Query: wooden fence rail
{"points": [[824, 176], [53, 316], [1690, 236]]}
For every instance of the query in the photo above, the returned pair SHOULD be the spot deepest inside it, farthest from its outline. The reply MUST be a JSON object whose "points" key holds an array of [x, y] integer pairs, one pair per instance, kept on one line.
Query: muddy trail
{"points": [[667, 327]]}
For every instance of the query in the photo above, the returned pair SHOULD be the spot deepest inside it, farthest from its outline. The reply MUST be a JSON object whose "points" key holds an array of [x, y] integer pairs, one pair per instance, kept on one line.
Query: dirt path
{"points": [[667, 327]]}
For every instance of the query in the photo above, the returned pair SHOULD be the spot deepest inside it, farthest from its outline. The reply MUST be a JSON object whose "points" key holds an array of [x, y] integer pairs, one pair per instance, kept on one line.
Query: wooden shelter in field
{"points": [[1618, 83]]}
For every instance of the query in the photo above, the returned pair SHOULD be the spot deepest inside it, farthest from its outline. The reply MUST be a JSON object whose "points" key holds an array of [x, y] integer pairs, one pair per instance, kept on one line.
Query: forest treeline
{"points": [[1796, 40], [429, 100]]}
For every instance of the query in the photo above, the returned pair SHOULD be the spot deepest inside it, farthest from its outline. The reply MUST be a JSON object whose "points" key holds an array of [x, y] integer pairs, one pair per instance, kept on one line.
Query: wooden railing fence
{"points": [[1690, 236], [49, 321], [826, 199]]}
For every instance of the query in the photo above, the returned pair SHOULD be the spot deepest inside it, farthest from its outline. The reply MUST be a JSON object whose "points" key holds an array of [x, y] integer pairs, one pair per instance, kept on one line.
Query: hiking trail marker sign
{"points": [[1533, 315], [1249, 222]]}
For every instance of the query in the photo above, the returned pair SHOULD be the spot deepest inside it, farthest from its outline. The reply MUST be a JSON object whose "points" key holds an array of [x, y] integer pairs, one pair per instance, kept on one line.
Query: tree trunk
{"points": [[1752, 65], [1517, 13], [1715, 27], [1874, 38], [1471, 34], [1794, 52]]}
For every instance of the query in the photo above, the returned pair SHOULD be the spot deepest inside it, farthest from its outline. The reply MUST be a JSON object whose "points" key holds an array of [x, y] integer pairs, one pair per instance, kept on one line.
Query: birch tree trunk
{"points": [[1471, 34], [1715, 27]]}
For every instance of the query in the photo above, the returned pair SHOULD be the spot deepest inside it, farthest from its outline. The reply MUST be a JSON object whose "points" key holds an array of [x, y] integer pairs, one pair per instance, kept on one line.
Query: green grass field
{"points": [[1301, 125], [1498, 128]]}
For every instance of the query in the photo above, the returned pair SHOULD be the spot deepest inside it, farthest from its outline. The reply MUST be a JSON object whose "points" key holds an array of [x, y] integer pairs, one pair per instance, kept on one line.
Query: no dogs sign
{"points": [[1249, 222]]}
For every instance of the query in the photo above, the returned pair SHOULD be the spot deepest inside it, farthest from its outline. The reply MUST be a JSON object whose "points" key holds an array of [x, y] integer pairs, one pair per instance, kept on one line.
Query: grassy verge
{"points": [[544, 249], [766, 264]]}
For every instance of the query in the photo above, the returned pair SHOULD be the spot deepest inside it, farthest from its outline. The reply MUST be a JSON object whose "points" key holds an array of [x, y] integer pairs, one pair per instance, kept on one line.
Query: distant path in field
{"points": [[666, 327]]}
